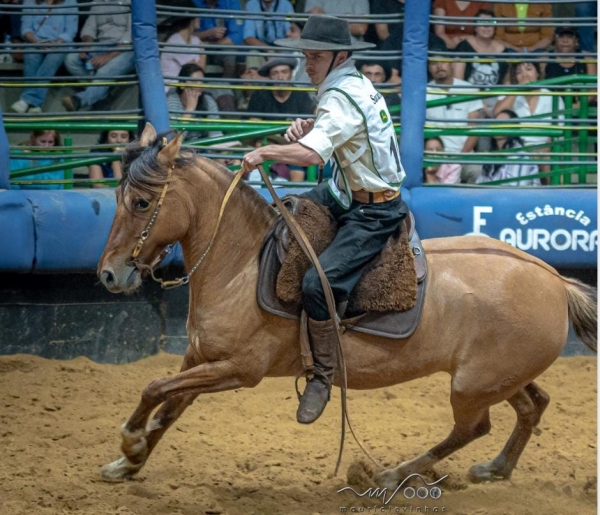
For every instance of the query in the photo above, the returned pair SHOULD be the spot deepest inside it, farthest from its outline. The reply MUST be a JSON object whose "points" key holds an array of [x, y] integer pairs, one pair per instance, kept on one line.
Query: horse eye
{"points": [[141, 204]]}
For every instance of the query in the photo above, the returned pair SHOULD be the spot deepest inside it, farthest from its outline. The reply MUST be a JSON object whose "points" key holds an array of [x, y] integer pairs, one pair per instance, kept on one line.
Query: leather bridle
{"points": [[175, 283]]}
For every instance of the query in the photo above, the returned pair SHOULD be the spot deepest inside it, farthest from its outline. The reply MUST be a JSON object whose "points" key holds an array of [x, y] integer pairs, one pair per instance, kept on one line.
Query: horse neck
{"points": [[243, 226]]}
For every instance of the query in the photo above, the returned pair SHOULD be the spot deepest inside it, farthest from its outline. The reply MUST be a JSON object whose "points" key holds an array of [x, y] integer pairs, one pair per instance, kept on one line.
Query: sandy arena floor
{"points": [[242, 452]]}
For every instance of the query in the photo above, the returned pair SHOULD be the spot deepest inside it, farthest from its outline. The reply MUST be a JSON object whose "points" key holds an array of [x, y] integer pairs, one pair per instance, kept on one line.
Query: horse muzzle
{"points": [[125, 279]]}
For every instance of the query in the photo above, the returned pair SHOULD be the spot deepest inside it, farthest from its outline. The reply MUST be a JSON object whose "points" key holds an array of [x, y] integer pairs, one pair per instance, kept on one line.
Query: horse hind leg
{"points": [[530, 403], [471, 421]]}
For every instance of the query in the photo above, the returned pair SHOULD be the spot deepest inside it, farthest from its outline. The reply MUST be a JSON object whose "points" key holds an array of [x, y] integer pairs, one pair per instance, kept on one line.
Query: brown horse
{"points": [[494, 317]]}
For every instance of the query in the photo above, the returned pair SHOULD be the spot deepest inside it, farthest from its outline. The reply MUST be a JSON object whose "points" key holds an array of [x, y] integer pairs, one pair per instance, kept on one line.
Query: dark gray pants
{"points": [[363, 231]]}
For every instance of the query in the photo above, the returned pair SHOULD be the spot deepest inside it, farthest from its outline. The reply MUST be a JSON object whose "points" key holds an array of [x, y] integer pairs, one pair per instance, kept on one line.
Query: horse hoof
{"points": [[487, 473], [387, 479], [119, 470]]}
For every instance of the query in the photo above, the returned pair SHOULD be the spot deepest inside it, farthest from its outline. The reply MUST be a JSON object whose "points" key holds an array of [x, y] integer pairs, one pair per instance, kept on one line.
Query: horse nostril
{"points": [[107, 278]]}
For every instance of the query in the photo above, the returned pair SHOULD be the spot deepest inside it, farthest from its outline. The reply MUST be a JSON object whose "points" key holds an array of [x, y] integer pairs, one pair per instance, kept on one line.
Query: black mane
{"points": [[141, 169]]}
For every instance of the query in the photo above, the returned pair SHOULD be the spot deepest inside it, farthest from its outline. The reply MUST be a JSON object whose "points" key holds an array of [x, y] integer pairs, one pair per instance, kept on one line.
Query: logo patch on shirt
{"points": [[383, 115]]}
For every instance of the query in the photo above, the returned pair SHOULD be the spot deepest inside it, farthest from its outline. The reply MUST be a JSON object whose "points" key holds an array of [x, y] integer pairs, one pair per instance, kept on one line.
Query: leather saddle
{"points": [[391, 324]]}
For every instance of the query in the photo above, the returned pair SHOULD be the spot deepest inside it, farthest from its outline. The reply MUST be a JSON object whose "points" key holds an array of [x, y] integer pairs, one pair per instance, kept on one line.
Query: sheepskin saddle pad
{"points": [[392, 284]]}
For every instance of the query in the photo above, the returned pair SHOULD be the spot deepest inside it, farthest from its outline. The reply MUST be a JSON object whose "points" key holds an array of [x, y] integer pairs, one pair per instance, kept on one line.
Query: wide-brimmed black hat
{"points": [[263, 71], [323, 32]]}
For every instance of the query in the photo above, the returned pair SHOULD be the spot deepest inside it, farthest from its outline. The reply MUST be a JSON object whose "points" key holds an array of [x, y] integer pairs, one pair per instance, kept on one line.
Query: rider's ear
{"points": [[170, 152], [148, 135]]}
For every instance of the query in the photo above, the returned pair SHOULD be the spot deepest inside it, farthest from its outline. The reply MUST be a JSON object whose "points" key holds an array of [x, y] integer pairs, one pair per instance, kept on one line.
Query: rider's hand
{"points": [[251, 160], [299, 128]]}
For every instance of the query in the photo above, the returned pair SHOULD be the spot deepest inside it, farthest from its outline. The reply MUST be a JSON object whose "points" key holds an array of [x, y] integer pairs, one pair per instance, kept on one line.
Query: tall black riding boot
{"points": [[324, 349]]}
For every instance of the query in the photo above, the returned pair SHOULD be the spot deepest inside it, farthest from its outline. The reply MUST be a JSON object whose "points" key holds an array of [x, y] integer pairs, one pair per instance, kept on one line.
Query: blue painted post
{"points": [[147, 63], [4, 160], [414, 84]]}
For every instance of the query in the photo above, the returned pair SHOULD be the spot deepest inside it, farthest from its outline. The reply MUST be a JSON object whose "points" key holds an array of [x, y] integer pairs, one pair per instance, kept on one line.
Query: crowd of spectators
{"points": [[198, 52]]}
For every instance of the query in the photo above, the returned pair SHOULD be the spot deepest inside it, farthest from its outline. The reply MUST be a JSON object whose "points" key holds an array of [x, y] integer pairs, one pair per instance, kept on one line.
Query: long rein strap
{"points": [[305, 245]]}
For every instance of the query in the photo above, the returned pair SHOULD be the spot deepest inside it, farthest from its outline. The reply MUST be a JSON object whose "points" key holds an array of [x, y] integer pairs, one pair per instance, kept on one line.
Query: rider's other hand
{"points": [[299, 128]]}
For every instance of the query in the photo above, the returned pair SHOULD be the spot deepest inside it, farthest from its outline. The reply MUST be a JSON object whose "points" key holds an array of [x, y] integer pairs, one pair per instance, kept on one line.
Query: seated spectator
{"points": [[356, 8], [242, 96], [187, 101], [452, 35], [43, 139], [496, 172], [378, 72], [482, 44], [221, 31], [264, 32], [101, 26], [523, 73], [299, 73], [566, 42], [40, 27], [447, 116], [389, 35], [436, 173], [10, 25], [172, 58], [587, 33], [525, 37], [110, 169], [280, 101]]}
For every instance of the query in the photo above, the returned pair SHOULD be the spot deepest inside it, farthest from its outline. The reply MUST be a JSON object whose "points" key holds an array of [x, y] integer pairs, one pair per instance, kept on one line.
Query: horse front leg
{"points": [[177, 393]]}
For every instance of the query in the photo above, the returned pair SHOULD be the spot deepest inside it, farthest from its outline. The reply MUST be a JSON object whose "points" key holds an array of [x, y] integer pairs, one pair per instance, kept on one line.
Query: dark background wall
{"points": [[62, 316]]}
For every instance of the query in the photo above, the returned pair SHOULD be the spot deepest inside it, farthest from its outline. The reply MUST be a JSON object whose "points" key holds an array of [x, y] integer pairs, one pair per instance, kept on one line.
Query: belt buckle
{"points": [[389, 193]]}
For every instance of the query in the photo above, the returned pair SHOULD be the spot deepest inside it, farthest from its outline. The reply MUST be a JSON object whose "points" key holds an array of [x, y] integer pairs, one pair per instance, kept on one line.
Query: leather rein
{"points": [[306, 247]]}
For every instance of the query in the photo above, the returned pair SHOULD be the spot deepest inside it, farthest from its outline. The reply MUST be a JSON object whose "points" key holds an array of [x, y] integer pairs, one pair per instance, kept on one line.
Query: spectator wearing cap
{"points": [[566, 41], [299, 73], [280, 101], [175, 54], [107, 23], [262, 32], [378, 72], [356, 8], [525, 37], [452, 115]]}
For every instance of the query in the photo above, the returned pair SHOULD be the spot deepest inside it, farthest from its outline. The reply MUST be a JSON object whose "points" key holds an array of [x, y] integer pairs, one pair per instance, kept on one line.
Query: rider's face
{"points": [[318, 62]]}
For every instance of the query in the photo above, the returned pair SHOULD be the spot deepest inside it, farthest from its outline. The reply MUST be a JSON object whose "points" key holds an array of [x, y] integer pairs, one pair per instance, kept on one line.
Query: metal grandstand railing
{"points": [[573, 144]]}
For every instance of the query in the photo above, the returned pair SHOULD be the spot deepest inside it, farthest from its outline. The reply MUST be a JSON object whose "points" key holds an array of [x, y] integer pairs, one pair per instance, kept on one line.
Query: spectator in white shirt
{"points": [[453, 115]]}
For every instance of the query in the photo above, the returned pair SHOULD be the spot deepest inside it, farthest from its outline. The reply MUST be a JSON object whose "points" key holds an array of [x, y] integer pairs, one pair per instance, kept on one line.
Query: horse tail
{"points": [[583, 311]]}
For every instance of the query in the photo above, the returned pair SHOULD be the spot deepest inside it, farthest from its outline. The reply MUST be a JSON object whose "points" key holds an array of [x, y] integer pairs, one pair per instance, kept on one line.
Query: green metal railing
{"points": [[563, 138]]}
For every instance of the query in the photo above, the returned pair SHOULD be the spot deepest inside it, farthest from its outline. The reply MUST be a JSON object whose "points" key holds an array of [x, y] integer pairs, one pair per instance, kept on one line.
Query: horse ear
{"points": [[148, 135], [170, 151]]}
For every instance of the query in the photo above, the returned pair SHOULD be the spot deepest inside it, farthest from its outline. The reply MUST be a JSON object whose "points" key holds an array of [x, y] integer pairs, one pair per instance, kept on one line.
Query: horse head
{"points": [[147, 219]]}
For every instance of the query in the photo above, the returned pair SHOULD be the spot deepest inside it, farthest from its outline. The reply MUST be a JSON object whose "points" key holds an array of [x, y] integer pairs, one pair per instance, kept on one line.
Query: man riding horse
{"points": [[353, 127]]}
